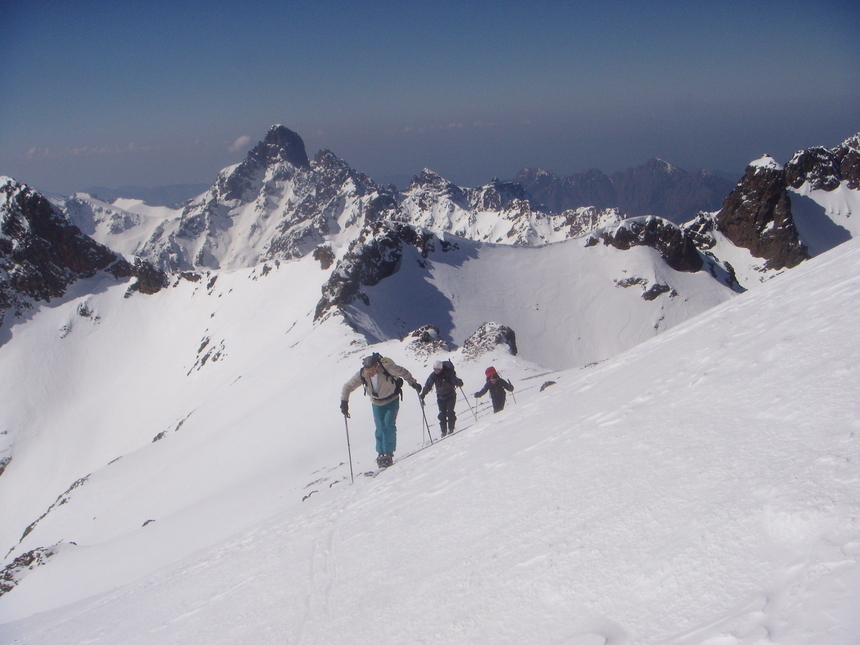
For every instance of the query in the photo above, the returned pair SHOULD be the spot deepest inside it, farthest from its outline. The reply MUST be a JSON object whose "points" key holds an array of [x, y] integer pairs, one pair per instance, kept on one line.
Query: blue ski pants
{"points": [[385, 417]]}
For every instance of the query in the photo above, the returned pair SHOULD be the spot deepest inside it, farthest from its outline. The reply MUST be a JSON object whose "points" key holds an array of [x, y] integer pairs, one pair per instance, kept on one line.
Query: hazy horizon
{"points": [[99, 94]]}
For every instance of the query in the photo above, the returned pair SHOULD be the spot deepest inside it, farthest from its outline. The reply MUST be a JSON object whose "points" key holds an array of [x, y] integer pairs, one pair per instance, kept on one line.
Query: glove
{"points": [[421, 396], [477, 395], [416, 387], [344, 408]]}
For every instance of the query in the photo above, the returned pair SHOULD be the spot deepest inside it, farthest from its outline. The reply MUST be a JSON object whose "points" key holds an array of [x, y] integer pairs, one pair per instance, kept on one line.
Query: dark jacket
{"points": [[446, 383], [496, 390]]}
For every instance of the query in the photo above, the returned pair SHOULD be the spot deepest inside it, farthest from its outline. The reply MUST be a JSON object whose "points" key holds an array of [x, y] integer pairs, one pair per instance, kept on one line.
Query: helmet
{"points": [[490, 371]]}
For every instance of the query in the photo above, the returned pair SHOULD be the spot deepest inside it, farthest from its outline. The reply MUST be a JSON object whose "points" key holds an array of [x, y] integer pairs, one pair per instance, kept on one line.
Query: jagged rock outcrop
{"points": [[826, 168], [757, 216], [673, 243], [281, 149], [430, 188], [374, 256], [655, 188], [489, 337], [13, 572], [425, 341], [41, 254]]}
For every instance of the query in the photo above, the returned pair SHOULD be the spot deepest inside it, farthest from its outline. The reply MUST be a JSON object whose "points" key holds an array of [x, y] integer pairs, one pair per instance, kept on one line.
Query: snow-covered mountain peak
{"points": [[852, 142], [765, 162], [432, 182]]}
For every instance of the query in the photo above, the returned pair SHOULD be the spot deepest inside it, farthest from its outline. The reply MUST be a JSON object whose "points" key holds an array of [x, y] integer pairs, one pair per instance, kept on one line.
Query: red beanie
{"points": [[490, 371]]}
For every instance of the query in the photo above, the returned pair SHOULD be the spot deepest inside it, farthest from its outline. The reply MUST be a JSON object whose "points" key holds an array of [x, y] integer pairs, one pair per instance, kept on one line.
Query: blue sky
{"points": [[156, 93]]}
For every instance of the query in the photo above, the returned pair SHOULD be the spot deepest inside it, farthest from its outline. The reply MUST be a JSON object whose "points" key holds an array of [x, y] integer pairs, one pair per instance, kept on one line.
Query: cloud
{"points": [[241, 143]]}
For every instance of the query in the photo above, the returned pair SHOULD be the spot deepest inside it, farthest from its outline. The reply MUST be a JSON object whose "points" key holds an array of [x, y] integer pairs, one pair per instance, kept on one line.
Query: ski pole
{"points": [[469, 404], [348, 449], [426, 425]]}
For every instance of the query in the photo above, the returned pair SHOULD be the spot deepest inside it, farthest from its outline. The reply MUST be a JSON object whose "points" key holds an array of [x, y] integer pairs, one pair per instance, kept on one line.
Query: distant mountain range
{"points": [[655, 188], [280, 204]]}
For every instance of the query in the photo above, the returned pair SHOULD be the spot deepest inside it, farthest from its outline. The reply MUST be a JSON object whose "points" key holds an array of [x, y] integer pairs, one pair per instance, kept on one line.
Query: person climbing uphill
{"points": [[382, 380], [446, 382], [496, 386]]}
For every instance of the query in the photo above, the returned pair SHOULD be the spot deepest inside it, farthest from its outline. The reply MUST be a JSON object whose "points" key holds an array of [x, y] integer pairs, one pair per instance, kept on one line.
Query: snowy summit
{"points": [[766, 161]]}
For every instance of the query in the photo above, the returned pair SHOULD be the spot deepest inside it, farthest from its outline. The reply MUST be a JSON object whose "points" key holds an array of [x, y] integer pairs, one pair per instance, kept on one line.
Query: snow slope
{"points": [[700, 488], [570, 304]]}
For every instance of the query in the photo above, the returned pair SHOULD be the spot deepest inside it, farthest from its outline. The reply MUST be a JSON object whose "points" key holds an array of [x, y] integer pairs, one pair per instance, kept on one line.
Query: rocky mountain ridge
{"points": [[42, 254], [279, 204], [757, 214]]}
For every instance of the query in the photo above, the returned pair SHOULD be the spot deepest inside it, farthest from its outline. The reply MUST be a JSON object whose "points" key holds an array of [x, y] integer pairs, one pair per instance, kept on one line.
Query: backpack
{"points": [[448, 372], [382, 361]]}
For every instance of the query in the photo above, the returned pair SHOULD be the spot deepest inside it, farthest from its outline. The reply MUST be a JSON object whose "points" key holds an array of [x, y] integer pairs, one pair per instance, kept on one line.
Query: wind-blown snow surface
{"points": [[699, 488]]}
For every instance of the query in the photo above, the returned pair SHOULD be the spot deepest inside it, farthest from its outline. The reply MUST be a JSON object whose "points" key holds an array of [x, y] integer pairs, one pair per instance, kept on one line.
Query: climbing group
{"points": [[383, 380]]}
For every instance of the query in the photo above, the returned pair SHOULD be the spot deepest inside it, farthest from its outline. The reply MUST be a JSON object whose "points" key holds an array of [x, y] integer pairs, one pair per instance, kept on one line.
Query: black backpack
{"points": [[448, 374]]}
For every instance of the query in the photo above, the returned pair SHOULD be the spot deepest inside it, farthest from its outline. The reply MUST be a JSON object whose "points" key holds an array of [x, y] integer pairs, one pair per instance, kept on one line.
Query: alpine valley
{"points": [[679, 461]]}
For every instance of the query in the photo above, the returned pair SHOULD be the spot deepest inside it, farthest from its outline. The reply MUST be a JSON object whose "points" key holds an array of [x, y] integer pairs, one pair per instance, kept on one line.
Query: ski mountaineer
{"points": [[496, 385], [382, 380], [444, 378]]}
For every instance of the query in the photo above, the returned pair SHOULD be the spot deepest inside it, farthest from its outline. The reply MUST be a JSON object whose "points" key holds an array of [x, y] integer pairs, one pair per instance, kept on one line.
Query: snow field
{"points": [[699, 488]]}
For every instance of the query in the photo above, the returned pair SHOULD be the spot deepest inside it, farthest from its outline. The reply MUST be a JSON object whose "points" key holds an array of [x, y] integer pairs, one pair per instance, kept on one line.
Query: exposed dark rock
{"points": [[675, 246], [757, 216], [281, 145], [488, 337], [375, 255], [701, 231], [324, 255], [826, 168], [12, 573], [425, 341], [632, 281], [818, 166], [657, 290], [848, 155], [149, 279], [41, 254]]}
